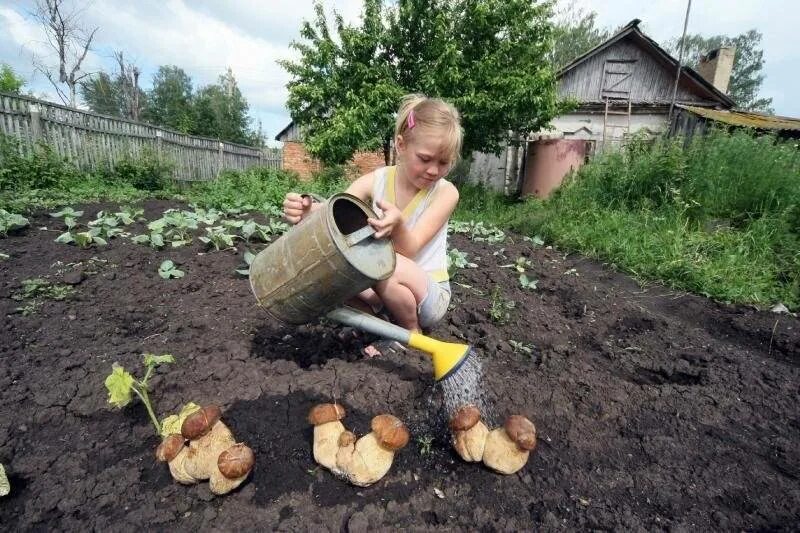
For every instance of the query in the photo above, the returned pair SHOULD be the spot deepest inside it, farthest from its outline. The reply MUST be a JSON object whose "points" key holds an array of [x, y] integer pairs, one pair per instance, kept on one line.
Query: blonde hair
{"points": [[430, 114]]}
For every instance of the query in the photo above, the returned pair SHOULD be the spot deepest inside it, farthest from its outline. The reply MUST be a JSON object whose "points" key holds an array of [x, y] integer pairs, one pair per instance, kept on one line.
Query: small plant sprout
{"points": [[4, 256], [67, 212], [128, 215], [458, 259], [84, 239], [500, 309], [252, 229], [244, 270], [35, 290], [527, 283], [168, 270], [425, 444], [519, 265], [479, 232], [122, 385], [217, 238], [10, 222], [520, 347], [154, 239], [535, 240]]}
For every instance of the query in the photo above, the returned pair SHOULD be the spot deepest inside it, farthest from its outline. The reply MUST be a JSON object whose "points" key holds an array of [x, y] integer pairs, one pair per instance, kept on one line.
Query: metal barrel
{"points": [[311, 269]]}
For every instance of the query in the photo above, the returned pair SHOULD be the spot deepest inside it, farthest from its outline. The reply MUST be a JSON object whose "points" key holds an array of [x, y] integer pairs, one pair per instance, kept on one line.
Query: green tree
{"points": [[487, 57], [221, 111], [575, 32], [748, 62], [169, 102], [9, 81], [101, 94]]}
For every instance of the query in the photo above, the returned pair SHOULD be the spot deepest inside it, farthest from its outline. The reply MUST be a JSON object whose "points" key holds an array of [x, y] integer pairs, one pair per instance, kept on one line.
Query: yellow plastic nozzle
{"points": [[446, 356]]}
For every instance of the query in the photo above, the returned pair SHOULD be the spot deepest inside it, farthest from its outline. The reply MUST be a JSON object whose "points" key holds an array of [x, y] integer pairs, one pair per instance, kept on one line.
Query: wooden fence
{"points": [[94, 141]]}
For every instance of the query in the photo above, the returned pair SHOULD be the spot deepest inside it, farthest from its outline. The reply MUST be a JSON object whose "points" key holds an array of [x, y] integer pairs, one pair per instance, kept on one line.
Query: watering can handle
{"points": [[359, 235]]}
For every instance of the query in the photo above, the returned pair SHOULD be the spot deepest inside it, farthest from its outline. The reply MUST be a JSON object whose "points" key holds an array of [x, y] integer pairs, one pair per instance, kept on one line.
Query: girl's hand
{"points": [[392, 217], [295, 207]]}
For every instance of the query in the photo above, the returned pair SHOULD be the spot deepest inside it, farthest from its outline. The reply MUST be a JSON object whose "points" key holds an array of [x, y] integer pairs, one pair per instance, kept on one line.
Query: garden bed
{"points": [[654, 409]]}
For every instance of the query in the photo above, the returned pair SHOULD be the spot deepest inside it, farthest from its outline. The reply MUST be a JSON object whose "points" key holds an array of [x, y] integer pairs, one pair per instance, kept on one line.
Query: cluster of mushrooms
{"points": [[205, 449], [362, 461], [504, 450]]}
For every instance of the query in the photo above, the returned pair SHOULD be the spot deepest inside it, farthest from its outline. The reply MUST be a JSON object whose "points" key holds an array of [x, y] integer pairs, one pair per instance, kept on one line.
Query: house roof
{"points": [[284, 130], [746, 119], [632, 29]]}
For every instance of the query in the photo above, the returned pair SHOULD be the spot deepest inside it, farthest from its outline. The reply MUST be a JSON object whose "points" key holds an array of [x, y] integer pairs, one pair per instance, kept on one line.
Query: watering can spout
{"points": [[447, 357]]}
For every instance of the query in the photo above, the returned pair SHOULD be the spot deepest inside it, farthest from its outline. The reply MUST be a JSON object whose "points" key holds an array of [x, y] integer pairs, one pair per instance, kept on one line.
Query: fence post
{"points": [[36, 123], [159, 135], [219, 158]]}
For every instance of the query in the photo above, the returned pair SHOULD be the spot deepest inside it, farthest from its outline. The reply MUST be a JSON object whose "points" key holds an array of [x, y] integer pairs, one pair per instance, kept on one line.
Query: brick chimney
{"points": [[716, 67]]}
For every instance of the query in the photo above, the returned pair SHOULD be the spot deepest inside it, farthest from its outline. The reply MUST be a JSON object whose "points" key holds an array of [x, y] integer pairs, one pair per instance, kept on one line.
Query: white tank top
{"points": [[432, 258]]}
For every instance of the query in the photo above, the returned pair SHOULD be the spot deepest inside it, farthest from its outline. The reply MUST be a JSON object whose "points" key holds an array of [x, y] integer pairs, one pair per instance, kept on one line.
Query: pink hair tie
{"points": [[410, 120]]}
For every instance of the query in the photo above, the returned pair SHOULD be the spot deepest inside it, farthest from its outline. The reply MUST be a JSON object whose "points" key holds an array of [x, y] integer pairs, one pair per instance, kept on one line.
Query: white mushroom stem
{"points": [[502, 454], [178, 469], [364, 462], [469, 444], [326, 443], [201, 459]]}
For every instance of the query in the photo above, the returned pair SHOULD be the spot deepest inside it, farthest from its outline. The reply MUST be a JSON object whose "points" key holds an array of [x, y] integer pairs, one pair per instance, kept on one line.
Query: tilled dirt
{"points": [[654, 409]]}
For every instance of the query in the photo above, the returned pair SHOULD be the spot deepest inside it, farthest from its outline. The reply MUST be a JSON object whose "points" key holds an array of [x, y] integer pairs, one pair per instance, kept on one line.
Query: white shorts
{"points": [[434, 305]]}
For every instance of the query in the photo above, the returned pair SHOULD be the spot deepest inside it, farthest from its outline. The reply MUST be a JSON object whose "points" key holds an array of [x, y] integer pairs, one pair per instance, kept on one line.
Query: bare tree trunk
{"points": [[69, 41]]}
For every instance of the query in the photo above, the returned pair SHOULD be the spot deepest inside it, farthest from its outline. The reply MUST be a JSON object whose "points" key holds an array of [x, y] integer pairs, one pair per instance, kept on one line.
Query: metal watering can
{"points": [[328, 259]]}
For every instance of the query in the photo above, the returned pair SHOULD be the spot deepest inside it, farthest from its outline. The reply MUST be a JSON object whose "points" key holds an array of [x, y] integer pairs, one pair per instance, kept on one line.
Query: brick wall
{"points": [[297, 159]]}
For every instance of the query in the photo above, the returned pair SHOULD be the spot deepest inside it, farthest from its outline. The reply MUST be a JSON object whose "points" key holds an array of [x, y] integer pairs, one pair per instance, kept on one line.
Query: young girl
{"points": [[414, 203]]}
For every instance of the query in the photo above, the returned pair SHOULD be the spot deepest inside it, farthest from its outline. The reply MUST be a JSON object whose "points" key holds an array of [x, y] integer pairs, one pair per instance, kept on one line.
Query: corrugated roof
{"points": [[746, 119]]}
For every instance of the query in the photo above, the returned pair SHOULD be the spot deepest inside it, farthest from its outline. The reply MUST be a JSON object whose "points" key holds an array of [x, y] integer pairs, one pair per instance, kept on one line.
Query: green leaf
{"points": [[248, 257], [157, 239], [65, 238], [120, 386], [83, 238], [155, 360], [101, 241], [141, 239], [175, 273], [166, 265]]}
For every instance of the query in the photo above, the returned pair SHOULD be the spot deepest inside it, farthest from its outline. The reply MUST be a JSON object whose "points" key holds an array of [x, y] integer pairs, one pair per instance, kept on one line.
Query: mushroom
{"points": [[233, 467], [327, 428], [347, 445], [200, 422], [507, 449], [370, 458], [469, 433], [173, 451], [202, 454]]}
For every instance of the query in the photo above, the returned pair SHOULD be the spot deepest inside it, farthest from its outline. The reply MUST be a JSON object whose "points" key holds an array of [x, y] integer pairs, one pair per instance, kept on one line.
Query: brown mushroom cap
{"points": [[200, 422], [464, 418], [346, 438], [236, 461], [522, 431], [324, 413], [170, 447], [391, 433]]}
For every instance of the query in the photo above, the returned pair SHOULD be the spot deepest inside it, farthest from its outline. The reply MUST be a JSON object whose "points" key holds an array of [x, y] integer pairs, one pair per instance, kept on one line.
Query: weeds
{"points": [[500, 308], [425, 443], [35, 291]]}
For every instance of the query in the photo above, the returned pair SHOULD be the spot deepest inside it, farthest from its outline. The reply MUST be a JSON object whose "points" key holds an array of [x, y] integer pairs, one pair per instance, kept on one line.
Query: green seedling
{"points": [[35, 290], [168, 270], [84, 239], [519, 265], [11, 221], [244, 270], [4, 256], [500, 308], [520, 347], [252, 229], [129, 215], [107, 224], [67, 212], [153, 240], [425, 444], [479, 232], [535, 240], [217, 238], [122, 385], [458, 259], [527, 283]]}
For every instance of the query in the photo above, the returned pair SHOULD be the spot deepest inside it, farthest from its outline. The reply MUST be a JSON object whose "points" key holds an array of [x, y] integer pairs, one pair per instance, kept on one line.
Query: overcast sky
{"points": [[204, 37]]}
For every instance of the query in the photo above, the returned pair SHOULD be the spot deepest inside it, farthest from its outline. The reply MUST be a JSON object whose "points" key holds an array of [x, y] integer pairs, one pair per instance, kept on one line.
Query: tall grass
{"points": [[720, 217]]}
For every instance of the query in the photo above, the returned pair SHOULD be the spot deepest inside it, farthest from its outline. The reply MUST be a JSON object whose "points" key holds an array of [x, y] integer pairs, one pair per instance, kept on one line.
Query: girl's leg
{"points": [[403, 291]]}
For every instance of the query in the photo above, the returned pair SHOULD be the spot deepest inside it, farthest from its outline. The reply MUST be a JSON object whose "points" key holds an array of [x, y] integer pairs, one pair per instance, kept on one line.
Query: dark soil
{"points": [[654, 409]]}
